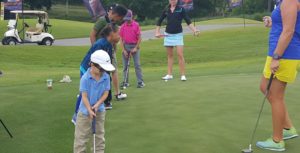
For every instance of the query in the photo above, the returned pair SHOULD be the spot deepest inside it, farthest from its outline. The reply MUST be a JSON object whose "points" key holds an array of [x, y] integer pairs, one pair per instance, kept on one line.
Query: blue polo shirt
{"points": [[95, 90], [101, 44]]}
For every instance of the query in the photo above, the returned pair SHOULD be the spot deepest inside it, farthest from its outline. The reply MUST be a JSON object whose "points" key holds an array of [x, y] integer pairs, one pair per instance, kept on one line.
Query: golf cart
{"points": [[37, 34]]}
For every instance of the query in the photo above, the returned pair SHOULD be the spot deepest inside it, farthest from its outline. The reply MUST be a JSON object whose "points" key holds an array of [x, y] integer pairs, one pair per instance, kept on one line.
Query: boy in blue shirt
{"points": [[94, 88]]}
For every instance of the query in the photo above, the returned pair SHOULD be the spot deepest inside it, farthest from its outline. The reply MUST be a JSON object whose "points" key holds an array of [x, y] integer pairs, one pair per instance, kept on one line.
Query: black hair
{"points": [[109, 28], [97, 66], [119, 9]]}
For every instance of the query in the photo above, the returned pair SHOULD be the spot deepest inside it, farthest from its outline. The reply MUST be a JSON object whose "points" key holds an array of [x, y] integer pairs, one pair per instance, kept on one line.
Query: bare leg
{"points": [[115, 81], [287, 122], [279, 113], [170, 60], [181, 59]]}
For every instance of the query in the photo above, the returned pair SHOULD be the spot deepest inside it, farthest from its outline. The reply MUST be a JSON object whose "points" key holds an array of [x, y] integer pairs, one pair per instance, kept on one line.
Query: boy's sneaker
{"points": [[124, 84], [290, 134], [141, 85], [108, 106], [121, 96], [167, 77], [183, 78], [74, 118], [271, 145]]}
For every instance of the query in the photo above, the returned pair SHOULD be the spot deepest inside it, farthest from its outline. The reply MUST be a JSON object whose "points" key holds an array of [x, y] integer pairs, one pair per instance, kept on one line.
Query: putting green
{"points": [[213, 112]]}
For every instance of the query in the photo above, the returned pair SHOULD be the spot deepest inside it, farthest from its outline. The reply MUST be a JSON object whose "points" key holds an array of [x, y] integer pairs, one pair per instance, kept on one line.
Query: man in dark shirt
{"points": [[115, 14]]}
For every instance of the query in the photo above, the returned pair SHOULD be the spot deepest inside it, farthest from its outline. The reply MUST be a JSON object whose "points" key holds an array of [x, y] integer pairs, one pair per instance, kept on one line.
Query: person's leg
{"points": [[83, 131], [181, 60], [100, 132], [107, 101], [137, 66], [287, 121], [125, 61], [276, 99], [115, 81], [278, 108], [170, 60]]}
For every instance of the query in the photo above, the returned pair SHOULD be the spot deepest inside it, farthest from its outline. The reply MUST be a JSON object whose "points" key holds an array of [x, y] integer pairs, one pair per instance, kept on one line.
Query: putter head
{"points": [[247, 151]]}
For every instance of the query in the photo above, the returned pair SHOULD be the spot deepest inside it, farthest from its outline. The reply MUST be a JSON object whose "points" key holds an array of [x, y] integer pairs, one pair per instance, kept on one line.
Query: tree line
{"points": [[149, 9]]}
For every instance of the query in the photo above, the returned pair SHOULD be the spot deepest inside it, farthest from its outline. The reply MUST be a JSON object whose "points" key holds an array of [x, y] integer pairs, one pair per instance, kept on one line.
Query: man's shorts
{"points": [[287, 71]]}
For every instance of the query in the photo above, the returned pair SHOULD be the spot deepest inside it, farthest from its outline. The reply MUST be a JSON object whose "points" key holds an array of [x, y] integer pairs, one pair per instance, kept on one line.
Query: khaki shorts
{"points": [[83, 133]]}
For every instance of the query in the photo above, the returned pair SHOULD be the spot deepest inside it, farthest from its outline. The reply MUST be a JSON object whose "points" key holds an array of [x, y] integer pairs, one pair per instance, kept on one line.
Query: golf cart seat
{"points": [[35, 30]]}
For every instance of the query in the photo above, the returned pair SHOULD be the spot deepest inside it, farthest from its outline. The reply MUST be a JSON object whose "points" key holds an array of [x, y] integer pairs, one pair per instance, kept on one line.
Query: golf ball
{"points": [[124, 87], [166, 80]]}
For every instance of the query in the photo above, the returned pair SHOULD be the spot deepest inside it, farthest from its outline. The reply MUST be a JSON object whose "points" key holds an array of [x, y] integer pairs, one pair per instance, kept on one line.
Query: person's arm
{"points": [[99, 25], [136, 48], [100, 101], [189, 23], [87, 105], [159, 22], [86, 102], [123, 48], [93, 35], [104, 96], [289, 12]]}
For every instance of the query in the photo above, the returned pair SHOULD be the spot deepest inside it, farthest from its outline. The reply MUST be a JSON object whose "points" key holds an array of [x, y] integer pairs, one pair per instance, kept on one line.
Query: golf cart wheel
{"points": [[47, 42], [4, 41], [11, 41]]}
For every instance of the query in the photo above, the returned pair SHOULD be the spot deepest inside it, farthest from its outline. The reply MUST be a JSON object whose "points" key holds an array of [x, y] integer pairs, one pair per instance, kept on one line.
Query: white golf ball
{"points": [[124, 87], [166, 80]]}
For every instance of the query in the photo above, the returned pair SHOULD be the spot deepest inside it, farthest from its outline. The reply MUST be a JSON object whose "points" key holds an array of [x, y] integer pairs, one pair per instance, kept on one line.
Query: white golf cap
{"points": [[102, 58]]}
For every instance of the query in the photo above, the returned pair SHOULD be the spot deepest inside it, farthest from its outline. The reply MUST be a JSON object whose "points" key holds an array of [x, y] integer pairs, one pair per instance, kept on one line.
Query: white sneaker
{"points": [[121, 96], [183, 78], [167, 77]]}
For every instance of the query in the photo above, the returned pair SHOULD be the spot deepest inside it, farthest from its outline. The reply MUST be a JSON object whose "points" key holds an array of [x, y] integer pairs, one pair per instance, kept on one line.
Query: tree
{"points": [[38, 4]]}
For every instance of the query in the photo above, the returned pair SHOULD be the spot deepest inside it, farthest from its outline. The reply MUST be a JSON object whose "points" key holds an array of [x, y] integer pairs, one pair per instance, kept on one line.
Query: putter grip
{"points": [[94, 124], [270, 82]]}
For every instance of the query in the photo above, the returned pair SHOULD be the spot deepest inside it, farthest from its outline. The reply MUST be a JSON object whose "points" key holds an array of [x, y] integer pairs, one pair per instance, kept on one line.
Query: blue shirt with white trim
{"points": [[94, 89], [101, 44]]}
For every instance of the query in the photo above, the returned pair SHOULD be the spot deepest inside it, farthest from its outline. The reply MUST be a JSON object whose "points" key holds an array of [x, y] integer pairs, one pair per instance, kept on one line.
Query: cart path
{"points": [[149, 34]]}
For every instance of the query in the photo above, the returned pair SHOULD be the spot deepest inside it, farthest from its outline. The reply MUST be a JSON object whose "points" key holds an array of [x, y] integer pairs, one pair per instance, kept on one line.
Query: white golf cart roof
{"points": [[33, 12]]}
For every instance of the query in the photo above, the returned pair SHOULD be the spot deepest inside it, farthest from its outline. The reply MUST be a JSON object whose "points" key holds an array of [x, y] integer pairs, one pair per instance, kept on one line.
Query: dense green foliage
{"points": [[146, 9]]}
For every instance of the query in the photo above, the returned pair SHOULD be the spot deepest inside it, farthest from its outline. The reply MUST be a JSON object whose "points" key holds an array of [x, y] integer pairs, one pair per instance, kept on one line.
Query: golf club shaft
{"points": [[6, 129], [127, 70], [262, 107], [94, 132]]}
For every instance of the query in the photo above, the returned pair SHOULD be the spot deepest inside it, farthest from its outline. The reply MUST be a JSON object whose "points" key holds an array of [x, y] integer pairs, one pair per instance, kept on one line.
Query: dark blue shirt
{"points": [[101, 44], [174, 19]]}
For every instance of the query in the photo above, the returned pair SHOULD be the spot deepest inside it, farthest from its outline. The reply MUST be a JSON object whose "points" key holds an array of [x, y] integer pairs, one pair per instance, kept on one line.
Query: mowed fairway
{"points": [[213, 112]]}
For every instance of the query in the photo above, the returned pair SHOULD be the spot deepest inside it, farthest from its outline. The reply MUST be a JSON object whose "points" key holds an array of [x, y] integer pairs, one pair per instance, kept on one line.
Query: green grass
{"points": [[60, 28], [228, 21], [76, 12], [213, 112]]}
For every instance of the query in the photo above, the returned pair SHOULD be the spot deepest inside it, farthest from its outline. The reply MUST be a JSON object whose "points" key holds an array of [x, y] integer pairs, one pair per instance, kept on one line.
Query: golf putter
{"points": [[249, 150], [94, 133], [6, 129], [127, 72]]}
